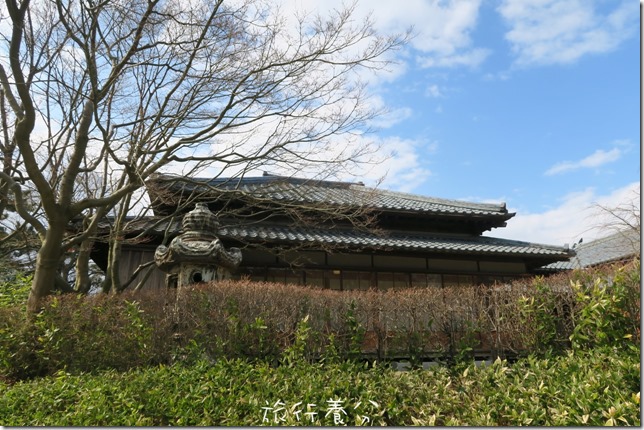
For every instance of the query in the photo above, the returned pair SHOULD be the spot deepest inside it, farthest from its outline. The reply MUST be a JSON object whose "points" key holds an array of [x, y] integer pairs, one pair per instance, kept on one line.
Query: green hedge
{"points": [[258, 321], [595, 387]]}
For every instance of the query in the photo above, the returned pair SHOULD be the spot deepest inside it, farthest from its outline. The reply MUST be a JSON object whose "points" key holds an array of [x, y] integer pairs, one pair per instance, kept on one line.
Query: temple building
{"points": [[337, 235]]}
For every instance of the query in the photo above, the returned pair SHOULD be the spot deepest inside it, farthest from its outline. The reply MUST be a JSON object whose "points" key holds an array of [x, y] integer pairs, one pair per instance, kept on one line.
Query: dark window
{"points": [[434, 280], [293, 277], [315, 278], [418, 280], [450, 280], [334, 279], [356, 280], [276, 275], [401, 280], [385, 280]]}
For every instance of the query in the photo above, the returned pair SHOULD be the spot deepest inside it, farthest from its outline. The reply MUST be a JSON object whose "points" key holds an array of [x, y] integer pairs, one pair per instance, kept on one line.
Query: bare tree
{"points": [[623, 219], [120, 90], [623, 216], [618, 227]]}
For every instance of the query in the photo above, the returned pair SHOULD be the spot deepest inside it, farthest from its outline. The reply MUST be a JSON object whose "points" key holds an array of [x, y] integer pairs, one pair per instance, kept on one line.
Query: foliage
{"points": [[296, 352], [595, 387], [465, 348], [606, 314], [14, 289], [74, 333], [245, 354], [355, 332], [541, 312]]}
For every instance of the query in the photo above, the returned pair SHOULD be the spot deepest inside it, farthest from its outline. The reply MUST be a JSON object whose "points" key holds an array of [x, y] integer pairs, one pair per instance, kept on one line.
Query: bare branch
{"points": [[106, 94], [21, 206]]}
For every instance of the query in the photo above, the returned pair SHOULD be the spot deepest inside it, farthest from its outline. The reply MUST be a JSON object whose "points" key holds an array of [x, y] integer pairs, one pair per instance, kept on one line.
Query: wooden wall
{"points": [[345, 271]]}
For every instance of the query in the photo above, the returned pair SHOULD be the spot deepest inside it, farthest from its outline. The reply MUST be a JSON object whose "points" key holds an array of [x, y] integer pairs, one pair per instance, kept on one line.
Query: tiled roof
{"points": [[358, 239], [611, 248], [287, 189], [394, 240]]}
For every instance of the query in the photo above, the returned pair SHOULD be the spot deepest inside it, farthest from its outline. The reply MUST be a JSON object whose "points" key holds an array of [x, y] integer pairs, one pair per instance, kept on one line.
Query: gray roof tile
{"points": [[298, 190], [394, 240], [614, 247], [288, 189]]}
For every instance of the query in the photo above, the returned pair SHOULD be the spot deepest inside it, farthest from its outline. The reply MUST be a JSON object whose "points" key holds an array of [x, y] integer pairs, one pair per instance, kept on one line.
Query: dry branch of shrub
{"points": [[259, 321]]}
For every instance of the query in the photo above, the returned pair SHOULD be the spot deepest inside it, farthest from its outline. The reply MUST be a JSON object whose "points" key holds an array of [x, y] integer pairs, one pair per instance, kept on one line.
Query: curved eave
{"points": [[478, 245]]}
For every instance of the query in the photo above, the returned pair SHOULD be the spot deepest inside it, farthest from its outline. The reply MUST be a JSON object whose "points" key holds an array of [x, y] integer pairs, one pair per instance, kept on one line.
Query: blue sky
{"points": [[535, 103]]}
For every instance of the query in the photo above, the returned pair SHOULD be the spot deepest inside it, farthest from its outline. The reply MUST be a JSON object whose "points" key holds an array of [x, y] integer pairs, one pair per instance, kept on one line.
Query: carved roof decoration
{"points": [[197, 243]]}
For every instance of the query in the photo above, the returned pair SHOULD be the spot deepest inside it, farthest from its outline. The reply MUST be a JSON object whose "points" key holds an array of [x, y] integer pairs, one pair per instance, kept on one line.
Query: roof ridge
{"points": [[268, 178], [535, 244], [627, 233], [446, 202], [336, 192]]}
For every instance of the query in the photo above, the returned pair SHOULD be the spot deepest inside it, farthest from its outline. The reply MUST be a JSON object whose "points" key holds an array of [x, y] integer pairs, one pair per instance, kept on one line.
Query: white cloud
{"points": [[392, 161], [433, 91], [390, 117], [401, 168], [596, 159], [574, 218], [472, 58], [442, 28], [546, 32]]}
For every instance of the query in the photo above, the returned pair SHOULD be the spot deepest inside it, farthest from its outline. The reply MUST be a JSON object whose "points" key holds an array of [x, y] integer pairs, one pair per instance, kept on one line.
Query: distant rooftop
{"points": [[615, 247]]}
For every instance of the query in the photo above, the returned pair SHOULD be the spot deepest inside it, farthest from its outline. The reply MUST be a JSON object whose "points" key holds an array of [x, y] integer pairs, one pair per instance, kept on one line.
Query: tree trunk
{"points": [[83, 281], [112, 282], [47, 263], [114, 267]]}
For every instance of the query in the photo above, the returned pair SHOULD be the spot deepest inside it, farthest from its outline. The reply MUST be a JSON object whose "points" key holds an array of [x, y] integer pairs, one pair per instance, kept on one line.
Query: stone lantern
{"points": [[196, 255]]}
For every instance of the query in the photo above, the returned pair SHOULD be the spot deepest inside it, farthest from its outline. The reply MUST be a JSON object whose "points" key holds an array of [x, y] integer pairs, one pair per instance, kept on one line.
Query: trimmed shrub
{"points": [[259, 321], [597, 387], [75, 333]]}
